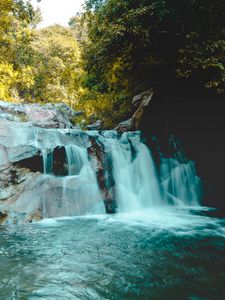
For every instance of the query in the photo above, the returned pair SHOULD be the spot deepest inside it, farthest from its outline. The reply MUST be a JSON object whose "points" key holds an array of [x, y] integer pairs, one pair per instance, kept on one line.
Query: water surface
{"points": [[155, 254]]}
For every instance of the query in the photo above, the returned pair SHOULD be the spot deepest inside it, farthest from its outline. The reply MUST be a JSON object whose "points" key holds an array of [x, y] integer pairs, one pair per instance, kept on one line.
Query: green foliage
{"points": [[115, 49], [108, 107], [78, 25], [16, 75], [203, 60], [12, 81], [156, 41], [57, 73], [36, 65]]}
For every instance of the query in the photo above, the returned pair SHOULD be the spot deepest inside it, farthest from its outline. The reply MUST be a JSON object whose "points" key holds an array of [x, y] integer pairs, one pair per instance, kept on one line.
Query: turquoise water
{"points": [[155, 254]]}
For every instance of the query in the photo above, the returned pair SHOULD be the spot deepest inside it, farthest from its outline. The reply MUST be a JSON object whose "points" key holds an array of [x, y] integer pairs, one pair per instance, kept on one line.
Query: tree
{"points": [[134, 45], [36, 65], [56, 57], [155, 41], [15, 36]]}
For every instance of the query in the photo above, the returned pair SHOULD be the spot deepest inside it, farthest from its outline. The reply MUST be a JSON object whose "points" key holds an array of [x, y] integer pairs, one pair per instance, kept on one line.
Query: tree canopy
{"points": [[15, 36], [110, 52], [148, 42]]}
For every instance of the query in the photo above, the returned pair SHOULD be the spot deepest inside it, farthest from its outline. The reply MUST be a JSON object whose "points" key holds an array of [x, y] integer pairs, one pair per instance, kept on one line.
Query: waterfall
{"points": [[76, 158], [115, 170], [75, 194], [180, 184], [47, 157], [136, 183]]}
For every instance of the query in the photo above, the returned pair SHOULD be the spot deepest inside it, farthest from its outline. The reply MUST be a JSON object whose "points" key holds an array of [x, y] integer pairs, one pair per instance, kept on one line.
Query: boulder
{"points": [[139, 104], [124, 126], [34, 217], [98, 161], [3, 216], [95, 126], [45, 116]]}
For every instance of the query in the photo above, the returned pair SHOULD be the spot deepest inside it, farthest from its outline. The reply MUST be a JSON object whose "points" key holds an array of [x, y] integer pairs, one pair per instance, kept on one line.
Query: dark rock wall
{"points": [[196, 118]]}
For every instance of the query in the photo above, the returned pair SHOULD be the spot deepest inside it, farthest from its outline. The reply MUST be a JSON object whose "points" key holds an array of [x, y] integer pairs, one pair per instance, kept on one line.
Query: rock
{"points": [[5, 174], [139, 104], [23, 140], [23, 200], [26, 151], [44, 116], [3, 217], [16, 181], [47, 117], [66, 110], [34, 217], [144, 101], [98, 160], [79, 113], [177, 149], [12, 111], [125, 126], [19, 153], [94, 126], [4, 158]]}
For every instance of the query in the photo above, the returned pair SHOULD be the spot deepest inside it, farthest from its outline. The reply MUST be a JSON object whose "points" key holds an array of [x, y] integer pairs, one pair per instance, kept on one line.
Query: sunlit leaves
{"points": [[56, 57]]}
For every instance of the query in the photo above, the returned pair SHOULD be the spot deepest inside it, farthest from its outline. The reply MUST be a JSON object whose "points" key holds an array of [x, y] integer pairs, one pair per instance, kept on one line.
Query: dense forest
{"points": [[110, 52]]}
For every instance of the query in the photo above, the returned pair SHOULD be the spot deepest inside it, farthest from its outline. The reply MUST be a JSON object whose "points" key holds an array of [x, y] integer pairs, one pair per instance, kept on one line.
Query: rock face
{"points": [[45, 116], [98, 160], [95, 126], [196, 117], [192, 115], [35, 159], [139, 104], [51, 172]]}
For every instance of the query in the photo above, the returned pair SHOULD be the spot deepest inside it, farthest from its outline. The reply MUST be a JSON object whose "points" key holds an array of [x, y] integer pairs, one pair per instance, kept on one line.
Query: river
{"points": [[164, 253]]}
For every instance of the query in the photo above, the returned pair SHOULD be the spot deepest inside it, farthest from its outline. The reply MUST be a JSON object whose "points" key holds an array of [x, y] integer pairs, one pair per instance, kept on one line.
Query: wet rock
{"points": [[23, 200], [98, 160], [4, 158], [59, 167], [3, 216], [34, 217], [23, 140], [19, 153], [177, 149], [15, 183]]}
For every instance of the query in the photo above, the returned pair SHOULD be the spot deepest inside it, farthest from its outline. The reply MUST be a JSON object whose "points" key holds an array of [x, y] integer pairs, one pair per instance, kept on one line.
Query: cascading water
{"points": [[180, 185], [136, 183], [126, 171], [47, 161], [76, 158], [75, 194]]}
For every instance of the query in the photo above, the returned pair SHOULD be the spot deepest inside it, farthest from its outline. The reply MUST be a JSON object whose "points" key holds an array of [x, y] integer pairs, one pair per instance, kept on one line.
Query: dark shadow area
{"points": [[196, 117], [60, 164], [34, 164]]}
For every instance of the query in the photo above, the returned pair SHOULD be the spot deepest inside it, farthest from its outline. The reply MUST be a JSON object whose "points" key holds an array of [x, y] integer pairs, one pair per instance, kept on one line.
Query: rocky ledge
{"points": [[45, 116], [138, 107], [28, 132]]}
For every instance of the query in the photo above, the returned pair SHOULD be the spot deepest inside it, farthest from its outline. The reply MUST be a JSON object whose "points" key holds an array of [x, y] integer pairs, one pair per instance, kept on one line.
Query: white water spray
{"points": [[134, 182], [180, 185]]}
